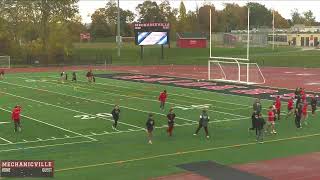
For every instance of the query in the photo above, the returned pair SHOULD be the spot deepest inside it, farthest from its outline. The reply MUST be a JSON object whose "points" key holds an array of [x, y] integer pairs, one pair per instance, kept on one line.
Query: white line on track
{"points": [[61, 128]]}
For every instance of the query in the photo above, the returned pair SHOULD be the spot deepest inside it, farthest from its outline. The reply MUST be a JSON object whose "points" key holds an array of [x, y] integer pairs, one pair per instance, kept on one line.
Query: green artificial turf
{"points": [[72, 121]]}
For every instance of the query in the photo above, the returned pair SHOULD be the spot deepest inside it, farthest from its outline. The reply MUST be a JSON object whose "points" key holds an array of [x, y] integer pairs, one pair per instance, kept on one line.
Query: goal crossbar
{"points": [[238, 69]]}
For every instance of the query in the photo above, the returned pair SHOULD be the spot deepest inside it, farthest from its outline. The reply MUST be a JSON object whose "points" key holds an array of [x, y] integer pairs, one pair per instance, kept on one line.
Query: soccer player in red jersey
{"points": [[290, 107], [1, 74], [271, 123], [162, 98], [171, 116], [305, 112], [278, 106], [16, 118]]}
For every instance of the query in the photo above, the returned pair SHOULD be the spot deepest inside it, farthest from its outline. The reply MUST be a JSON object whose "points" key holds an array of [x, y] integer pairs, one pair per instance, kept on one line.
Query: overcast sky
{"points": [[87, 7]]}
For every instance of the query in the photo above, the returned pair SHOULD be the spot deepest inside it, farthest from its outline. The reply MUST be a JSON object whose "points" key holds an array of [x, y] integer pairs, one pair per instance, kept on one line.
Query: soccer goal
{"points": [[234, 70], [4, 62]]}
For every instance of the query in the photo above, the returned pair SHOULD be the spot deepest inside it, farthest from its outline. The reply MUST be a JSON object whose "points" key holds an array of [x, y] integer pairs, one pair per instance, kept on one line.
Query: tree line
{"points": [[231, 17], [46, 29]]}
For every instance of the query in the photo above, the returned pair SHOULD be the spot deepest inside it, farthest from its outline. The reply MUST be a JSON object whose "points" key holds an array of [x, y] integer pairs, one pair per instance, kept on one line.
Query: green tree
{"points": [[182, 18], [204, 18], [309, 18], [279, 21], [232, 17], [259, 15], [149, 11], [296, 17]]}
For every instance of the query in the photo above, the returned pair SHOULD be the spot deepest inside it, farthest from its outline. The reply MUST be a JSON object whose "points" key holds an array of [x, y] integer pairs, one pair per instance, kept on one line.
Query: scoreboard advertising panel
{"points": [[151, 33], [26, 168]]}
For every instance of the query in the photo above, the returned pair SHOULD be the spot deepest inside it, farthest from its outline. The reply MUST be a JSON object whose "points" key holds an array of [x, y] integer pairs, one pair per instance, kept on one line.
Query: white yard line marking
{"points": [[185, 152], [39, 139], [6, 140], [4, 122], [53, 125], [36, 147], [43, 140], [61, 107], [132, 97], [92, 100]]}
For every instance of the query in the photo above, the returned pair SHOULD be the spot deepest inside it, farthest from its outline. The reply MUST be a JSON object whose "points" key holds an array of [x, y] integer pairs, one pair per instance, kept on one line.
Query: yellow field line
{"points": [[184, 152]]}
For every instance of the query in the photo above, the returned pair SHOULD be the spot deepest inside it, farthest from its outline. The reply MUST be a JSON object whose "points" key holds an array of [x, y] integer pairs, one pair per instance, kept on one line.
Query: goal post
{"points": [[5, 62], [234, 71]]}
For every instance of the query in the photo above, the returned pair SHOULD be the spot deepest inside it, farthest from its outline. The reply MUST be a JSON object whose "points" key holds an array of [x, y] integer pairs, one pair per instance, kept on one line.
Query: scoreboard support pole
{"points": [[162, 52], [141, 52]]}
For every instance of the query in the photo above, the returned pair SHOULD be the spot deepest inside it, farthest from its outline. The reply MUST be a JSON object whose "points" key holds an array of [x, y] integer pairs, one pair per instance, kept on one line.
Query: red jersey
{"points": [[163, 96], [270, 116], [16, 114], [304, 97], [278, 103], [305, 108], [290, 104]]}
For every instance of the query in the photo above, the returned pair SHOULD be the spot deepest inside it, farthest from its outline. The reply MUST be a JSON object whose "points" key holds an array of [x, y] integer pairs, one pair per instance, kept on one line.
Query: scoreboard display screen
{"points": [[151, 33], [22, 169]]}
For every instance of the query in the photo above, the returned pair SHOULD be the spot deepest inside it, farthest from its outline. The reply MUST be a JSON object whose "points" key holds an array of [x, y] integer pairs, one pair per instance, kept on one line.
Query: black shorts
{"points": [[290, 109], [150, 130]]}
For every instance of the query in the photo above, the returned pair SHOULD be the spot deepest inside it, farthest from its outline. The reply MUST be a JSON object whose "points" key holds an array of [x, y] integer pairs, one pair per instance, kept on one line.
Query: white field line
{"points": [[93, 100], [6, 140], [61, 128], [185, 152], [43, 146], [191, 95], [43, 140], [144, 99], [4, 122], [61, 107], [119, 132]]}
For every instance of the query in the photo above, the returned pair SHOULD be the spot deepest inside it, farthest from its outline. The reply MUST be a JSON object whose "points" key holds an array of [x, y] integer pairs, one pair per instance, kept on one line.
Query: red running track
{"points": [[277, 77], [302, 167]]}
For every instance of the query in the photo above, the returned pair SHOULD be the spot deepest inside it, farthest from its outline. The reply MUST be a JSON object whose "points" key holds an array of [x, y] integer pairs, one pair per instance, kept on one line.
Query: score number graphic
{"points": [[26, 168]]}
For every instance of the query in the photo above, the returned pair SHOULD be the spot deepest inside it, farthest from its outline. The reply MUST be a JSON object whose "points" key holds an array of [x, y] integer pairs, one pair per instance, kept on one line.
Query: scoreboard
{"points": [[152, 33], [19, 169]]}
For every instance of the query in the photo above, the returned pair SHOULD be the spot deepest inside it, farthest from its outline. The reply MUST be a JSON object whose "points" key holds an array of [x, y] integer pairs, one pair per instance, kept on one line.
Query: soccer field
{"points": [[70, 123]]}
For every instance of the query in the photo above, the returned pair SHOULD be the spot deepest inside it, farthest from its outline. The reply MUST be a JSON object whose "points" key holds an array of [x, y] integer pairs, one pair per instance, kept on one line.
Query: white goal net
{"points": [[234, 71], [4, 62]]}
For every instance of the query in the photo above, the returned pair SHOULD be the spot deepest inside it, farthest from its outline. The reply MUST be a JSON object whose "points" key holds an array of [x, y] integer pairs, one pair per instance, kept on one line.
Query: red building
{"points": [[191, 40]]}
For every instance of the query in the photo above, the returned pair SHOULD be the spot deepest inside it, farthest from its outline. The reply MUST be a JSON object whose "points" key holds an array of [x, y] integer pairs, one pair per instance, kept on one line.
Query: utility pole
{"points": [[118, 30]]}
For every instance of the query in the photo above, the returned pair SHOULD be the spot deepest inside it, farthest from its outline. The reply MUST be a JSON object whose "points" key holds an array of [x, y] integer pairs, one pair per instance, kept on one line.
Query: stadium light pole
{"points": [[118, 30]]}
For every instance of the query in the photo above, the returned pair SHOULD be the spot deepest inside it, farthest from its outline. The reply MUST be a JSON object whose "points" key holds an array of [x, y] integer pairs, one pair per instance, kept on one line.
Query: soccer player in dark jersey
{"points": [[298, 114], [74, 76], [256, 110], [260, 126], [115, 115], [15, 115], [89, 76], [63, 76], [171, 116], [203, 122], [314, 103], [149, 127]]}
